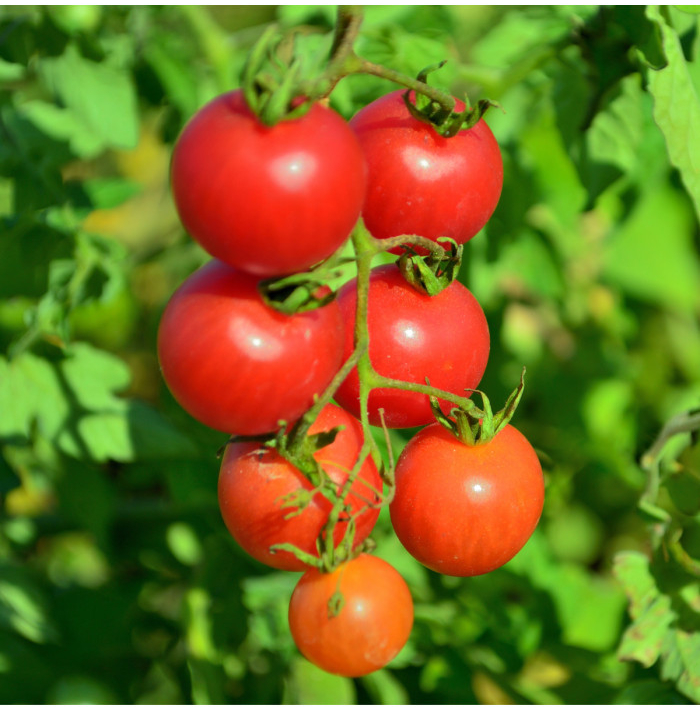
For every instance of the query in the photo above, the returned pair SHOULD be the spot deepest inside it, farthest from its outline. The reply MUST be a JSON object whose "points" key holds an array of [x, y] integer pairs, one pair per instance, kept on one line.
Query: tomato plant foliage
{"points": [[108, 488]]}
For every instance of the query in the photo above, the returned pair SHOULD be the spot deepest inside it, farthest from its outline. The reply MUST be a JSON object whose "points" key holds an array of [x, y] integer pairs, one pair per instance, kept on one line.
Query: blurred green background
{"points": [[118, 580]]}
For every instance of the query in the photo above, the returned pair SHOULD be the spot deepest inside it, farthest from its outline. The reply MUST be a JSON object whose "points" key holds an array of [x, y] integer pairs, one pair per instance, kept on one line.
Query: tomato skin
{"points": [[267, 200], [253, 481], [413, 336], [237, 365], [466, 510], [372, 626], [421, 183]]}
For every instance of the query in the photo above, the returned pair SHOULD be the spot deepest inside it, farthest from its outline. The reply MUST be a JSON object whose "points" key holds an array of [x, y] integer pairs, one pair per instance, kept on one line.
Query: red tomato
{"points": [[267, 200], [466, 510], [421, 183], [373, 623], [253, 482], [413, 336], [236, 364]]}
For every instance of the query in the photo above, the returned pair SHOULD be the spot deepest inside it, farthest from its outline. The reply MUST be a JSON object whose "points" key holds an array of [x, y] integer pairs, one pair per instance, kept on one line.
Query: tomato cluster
{"points": [[304, 495]]}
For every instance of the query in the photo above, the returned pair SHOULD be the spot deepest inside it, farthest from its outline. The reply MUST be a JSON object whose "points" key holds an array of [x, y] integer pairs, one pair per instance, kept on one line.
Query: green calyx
{"points": [[474, 426], [271, 78], [443, 118], [432, 273], [301, 292], [295, 294]]}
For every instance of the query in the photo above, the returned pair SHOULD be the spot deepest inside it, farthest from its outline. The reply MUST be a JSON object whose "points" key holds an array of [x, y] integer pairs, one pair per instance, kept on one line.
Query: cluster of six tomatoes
{"points": [[270, 201]]}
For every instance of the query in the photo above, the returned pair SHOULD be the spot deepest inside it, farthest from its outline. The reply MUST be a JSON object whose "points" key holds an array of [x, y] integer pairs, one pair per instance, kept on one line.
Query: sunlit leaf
{"points": [[307, 684], [677, 108]]}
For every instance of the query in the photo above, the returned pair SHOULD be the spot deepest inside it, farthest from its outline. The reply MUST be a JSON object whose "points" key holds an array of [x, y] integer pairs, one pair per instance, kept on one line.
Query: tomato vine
{"points": [[300, 487]]}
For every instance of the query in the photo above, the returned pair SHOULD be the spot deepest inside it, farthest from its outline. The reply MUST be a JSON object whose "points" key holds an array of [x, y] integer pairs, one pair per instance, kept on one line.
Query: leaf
{"points": [[307, 684], [100, 102], [655, 632], [10, 71], [384, 688], [94, 376], [30, 391], [651, 254], [677, 108], [681, 663], [109, 192], [81, 689], [26, 252], [589, 608], [520, 34], [22, 606], [648, 691], [75, 403], [164, 53]]}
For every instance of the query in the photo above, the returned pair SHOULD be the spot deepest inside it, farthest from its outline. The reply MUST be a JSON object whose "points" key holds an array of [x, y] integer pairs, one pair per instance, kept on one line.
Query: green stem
{"points": [[345, 62], [301, 428], [441, 97], [685, 422], [413, 239], [378, 380]]}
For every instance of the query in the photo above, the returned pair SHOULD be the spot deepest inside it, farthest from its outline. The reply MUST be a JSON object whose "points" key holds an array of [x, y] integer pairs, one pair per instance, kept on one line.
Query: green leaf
{"points": [[63, 124], [267, 599], [75, 403], [109, 192], [164, 53], [677, 108], [22, 606], [589, 608], [655, 632], [519, 35], [30, 390], [94, 377], [384, 688], [681, 662], [651, 254], [10, 71], [81, 689], [648, 691], [100, 102], [307, 684]]}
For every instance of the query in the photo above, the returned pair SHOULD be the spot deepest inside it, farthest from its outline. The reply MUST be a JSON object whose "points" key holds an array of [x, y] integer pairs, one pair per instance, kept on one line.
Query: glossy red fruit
{"points": [[267, 200], [413, 336], [237, 365], [254, 482], [421, 183], [466, 510], [354, 620]]}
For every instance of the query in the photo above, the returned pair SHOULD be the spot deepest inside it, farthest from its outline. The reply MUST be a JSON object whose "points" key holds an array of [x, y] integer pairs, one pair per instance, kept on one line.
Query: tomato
{"points": [[421, 183], [254, 481], [413, 336], [373, 624], [237, 365], [466, 510], [267, 200]]}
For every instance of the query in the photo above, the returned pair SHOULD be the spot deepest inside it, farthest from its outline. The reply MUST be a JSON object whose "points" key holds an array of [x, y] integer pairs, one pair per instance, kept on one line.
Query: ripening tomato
{"points": [[421, 183], [237, 365], [254, 481], [413, 336], [466, 510], [354, 620], [267, 200]]}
